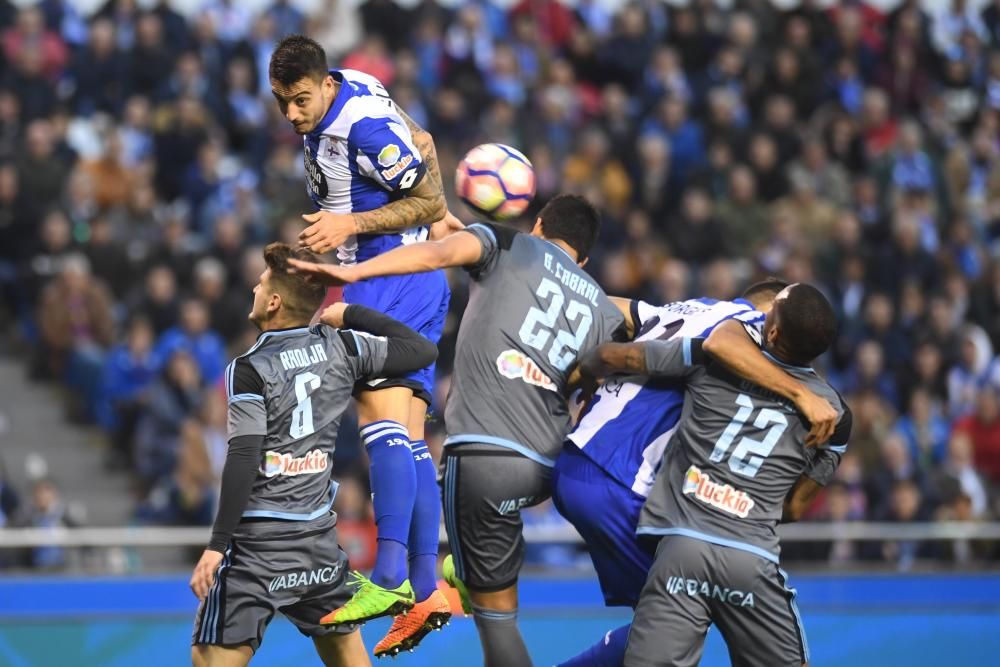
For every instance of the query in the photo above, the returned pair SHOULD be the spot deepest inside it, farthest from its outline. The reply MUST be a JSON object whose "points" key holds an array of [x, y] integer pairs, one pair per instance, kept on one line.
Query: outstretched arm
{"points": [[730, 345], [455, 250]]}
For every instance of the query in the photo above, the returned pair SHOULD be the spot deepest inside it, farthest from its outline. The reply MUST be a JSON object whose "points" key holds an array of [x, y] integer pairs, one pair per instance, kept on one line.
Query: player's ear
{"points": [[537, 229], [274, 303], [583, 262]]}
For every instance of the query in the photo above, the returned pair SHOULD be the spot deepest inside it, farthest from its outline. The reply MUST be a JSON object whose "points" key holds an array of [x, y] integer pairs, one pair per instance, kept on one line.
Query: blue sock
{"points": [[394, 486], [426, 523], [609, 652]]}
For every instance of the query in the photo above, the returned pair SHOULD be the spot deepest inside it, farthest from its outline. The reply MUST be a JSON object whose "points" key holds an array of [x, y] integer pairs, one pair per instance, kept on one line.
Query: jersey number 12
{"points": [[749, 454]]}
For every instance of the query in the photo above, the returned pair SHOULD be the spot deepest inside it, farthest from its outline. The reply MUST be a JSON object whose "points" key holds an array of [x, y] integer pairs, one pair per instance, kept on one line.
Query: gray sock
{"points": [[501, 640]]}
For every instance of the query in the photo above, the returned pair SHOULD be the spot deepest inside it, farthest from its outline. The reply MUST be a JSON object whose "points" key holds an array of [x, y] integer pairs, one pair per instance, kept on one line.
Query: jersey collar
{"points": [[559, 248], [281, 332], [781, 363], [344, 93]]}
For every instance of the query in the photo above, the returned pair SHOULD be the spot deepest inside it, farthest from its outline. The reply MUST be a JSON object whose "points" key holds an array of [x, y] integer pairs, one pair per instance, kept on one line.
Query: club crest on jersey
{"points": [[283, 463], [389, 156], [518, 366], [720, 496]]}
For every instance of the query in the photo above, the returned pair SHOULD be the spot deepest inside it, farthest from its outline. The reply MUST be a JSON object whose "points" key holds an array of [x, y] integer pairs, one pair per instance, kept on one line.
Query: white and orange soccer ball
{"points": [[496, 181]]}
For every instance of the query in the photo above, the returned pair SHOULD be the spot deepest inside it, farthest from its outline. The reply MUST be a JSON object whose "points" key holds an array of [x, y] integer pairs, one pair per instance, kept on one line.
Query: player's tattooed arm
{"points": [[611, 358], [424, 142], [730, 345], [424, 204]]}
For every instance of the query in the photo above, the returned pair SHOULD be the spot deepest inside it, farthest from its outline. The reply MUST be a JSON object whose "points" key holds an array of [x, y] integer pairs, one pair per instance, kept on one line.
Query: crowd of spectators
{"points": [[143, 164]]}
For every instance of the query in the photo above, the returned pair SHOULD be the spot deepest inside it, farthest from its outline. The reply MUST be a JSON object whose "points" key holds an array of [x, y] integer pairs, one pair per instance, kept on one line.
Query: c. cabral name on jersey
{"points": [[282, 463], [720, 496], [518, 366]]}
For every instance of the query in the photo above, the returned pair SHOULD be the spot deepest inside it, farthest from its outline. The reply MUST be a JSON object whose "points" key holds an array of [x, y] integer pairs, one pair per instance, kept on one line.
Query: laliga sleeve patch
{"points": [[389, 155]]}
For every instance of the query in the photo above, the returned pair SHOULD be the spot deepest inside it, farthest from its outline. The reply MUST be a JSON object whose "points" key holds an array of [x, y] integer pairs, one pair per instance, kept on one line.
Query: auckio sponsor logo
{"points": [[720, 496], [283, 463], [397, 169], [519, 366], [322, 575]]}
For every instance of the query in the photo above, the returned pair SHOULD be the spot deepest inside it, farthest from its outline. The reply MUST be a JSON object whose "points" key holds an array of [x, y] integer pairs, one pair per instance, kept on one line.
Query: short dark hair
{"points": [[300, 296], [806, 323], [573, 219], [765, 289], [295, 58]]}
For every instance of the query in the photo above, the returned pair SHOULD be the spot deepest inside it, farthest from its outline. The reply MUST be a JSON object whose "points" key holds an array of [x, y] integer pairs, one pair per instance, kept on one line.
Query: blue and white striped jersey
{"points": [[360, 157], [630, 420]]}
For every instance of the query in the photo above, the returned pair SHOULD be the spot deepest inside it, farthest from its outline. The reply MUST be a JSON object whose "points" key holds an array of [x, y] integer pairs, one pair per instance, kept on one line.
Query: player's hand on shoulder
{"points": [[822, 418], [326, 274], [445, 227], [204, 573], [333, 315], [326, 230]]}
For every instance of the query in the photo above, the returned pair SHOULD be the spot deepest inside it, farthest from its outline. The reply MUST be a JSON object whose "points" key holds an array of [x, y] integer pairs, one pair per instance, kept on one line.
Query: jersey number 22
{"points": [[539, 329]]}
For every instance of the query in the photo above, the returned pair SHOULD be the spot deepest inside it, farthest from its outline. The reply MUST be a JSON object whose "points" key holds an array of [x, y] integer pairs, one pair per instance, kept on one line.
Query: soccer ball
{"points": [[496, 181]]}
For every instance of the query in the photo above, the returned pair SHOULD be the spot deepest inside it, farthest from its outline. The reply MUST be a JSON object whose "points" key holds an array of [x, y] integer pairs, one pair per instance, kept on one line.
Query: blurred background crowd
{"points": [[144, 163]]}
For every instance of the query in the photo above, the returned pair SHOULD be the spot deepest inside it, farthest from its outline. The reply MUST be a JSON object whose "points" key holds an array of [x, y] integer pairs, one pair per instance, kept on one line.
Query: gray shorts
{"points": [[484, 488], [300, 571], [693, 584]]}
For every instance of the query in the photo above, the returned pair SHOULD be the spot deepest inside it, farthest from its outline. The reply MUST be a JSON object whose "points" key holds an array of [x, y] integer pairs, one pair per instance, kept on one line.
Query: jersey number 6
{"points": [[302, 416]]}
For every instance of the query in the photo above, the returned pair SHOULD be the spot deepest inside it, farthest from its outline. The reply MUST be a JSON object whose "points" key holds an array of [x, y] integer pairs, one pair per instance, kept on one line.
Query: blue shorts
{"points": [[418, 300], [606, 514]]}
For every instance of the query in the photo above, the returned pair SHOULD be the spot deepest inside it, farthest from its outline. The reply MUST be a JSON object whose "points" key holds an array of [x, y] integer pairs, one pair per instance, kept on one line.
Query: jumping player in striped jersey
{"points": [[610, 460], [373, 175]]}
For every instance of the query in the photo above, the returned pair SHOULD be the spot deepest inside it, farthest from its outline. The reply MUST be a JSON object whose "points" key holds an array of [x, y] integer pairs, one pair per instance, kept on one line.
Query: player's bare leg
{"points": [[431, 611], [206, 655], [347, 650], [383, 415]]}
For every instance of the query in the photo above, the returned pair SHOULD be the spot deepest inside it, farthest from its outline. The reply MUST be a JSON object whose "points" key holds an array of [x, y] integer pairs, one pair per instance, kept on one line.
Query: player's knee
{"points": [[198, 656], [502, 600]]}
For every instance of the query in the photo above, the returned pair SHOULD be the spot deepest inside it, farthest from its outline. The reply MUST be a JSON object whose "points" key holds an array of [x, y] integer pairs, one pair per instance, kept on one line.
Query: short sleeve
{"points": [[366, 353], [385, 152], [673, 358], [245, 397], [494, 239]]}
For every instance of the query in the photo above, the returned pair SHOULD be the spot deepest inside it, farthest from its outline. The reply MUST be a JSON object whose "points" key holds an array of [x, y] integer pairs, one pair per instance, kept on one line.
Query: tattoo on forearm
{"points": [[424, 205]]}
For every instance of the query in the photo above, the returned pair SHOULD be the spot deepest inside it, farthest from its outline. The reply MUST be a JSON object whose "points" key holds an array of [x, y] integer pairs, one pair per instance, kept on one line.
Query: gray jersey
{"points": [[738, 451], [292, 387], [531, 312]]}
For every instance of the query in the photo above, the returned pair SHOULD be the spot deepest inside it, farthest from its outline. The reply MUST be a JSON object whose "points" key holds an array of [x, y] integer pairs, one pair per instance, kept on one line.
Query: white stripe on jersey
{"points": [[608, 443]]}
